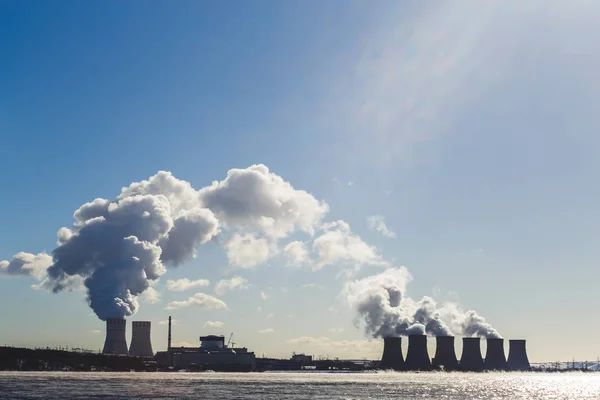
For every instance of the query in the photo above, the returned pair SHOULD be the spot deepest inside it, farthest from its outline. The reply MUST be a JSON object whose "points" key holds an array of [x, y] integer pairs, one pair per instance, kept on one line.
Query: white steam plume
{"points": [[119, 247], [381, 301]]}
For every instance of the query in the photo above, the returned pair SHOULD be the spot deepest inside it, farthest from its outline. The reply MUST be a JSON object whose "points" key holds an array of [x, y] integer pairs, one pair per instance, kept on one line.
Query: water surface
{"points": [[284, 386]]}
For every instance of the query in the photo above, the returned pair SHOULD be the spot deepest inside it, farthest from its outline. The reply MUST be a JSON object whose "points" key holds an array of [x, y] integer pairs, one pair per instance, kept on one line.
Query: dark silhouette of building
{"points": [[445, 356], [392, 354], [115, 342], [471, 359], [141, 345], [417, 357], [495, 360], [517, 356]]}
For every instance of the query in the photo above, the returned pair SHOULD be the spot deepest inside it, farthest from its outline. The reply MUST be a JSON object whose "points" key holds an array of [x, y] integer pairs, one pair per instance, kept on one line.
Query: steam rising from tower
{"points": [[141, 345], [381, 301], [117, 248], [115, 342]]}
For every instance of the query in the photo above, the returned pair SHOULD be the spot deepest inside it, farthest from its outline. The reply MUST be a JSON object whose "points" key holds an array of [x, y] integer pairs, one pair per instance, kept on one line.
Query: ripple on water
{"points": [[284, 386]]}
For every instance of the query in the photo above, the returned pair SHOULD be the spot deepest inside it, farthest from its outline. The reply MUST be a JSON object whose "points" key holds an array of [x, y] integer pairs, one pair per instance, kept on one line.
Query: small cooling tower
{"points": [[392, 354], [471, 359], [115, 342], [417, 358], [494, 356], [444, 353], [517, 356], [141, 345]]}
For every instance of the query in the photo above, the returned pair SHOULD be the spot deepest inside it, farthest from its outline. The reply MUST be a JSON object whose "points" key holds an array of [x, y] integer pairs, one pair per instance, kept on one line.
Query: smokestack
{"points": [[141, 346], [444, 353], [471, 359], [169, 337], [494, 356], [417, 357], [517, 356], [115, 342], [392, 354]]}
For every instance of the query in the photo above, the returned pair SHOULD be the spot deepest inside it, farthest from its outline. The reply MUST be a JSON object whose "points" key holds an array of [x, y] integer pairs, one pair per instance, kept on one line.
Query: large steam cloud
{"points": [[381, 301], [118, 247]]}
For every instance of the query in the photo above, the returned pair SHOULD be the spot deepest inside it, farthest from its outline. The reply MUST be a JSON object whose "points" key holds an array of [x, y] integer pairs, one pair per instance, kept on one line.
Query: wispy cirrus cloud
{"points": [[377, 223]]}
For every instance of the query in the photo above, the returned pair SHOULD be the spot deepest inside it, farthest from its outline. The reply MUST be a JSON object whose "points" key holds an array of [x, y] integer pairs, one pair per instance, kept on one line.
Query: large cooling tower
{"points": [[392, 354], [115, 342], [444, 353], [471, 359], [494, 356], [417, 358], [517, 356], [140, 339]]}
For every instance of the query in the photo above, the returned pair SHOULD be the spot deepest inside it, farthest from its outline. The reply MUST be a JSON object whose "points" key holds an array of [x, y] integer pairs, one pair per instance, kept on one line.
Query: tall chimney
{"points": [[417, 358], [141, 345], [115, 342], [494, 356], [392, 354], [517, 356], [444, 353], [169, 337], [471, 359]]}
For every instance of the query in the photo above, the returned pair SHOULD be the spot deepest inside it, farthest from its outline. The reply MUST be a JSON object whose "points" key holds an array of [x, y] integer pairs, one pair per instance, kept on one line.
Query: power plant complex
{"points": [[214, 354], [417, 357]]}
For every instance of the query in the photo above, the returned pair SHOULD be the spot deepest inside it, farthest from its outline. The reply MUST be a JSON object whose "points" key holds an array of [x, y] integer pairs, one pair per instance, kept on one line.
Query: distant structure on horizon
{"points": [[471, 359], [495, 360], [141, 345], [211, 354], [445, 356], [115, 342], [417, 357], [517, 356], [392, 354]]}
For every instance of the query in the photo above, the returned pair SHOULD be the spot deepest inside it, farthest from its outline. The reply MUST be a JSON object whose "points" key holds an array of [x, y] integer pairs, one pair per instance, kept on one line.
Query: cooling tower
{"points": [[471, 359], [141, 345], [392, 354], [444, 353], [115, 342], [494, 356], [417, 358], [517, 356]]}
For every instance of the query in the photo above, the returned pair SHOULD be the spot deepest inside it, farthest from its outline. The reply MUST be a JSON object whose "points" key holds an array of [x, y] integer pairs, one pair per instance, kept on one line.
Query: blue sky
{"points": [[471, 128]]}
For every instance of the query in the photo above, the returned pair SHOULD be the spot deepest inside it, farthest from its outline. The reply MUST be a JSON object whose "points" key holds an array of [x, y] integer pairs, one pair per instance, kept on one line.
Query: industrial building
{"points": [[445, 356], [517, 356], [495, 360], [392, 354], [141, 345], [212, 354], [471, 359], [115, 342], [417, 357]]}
